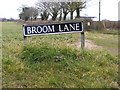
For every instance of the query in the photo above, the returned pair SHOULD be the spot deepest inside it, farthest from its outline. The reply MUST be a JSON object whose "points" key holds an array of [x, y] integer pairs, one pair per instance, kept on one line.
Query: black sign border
{"points": [[52, 24]]}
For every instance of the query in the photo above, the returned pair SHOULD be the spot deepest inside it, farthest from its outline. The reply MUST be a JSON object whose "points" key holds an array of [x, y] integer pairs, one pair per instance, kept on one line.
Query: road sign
{"points": [[53, 28]]}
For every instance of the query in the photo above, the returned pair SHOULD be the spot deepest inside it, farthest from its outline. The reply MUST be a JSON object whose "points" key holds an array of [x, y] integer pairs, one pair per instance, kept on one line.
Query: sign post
{"points": [[82, 40], [25, 40], [54, 28]]}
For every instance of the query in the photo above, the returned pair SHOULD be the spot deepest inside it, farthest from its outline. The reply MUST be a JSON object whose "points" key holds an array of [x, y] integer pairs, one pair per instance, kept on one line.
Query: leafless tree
{"points": [[47, 9], [65, 9], [72, 8], [33, 13], [79, 6], [43, 9], [54, 9]]}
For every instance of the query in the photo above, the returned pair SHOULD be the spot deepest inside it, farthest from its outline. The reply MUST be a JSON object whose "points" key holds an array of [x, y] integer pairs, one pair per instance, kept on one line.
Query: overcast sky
{"points": [[109, 8]]}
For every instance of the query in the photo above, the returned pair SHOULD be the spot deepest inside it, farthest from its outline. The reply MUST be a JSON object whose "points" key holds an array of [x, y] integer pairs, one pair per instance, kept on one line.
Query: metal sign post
{"points": [[25, 40], [82, 40]]}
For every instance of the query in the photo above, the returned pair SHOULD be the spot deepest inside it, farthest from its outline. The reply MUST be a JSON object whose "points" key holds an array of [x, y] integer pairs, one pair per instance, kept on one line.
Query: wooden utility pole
{"points": [[99, 9]]}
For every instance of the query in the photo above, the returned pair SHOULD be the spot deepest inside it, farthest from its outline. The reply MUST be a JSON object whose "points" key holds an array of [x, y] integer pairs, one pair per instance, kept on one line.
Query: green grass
{"points": [[108, 41], [0, 55], [109, 32], [47, 62]]}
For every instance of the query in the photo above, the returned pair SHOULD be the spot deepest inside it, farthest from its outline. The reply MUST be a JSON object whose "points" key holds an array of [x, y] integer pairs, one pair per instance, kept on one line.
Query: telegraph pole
{"points": [[99, 9]]}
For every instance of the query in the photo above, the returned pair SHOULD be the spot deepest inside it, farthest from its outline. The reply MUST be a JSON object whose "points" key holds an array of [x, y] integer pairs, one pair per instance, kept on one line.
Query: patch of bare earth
{"points": [[88, 44]]}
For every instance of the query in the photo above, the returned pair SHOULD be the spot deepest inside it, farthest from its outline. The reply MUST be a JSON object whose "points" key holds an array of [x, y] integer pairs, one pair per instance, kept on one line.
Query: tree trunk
{"points": [[46, 18], [35, 18], [60, 18], [65, 15], [31, 18], [26, 18], [42, 17], [54, 17], [78, 13], [71, 15]]}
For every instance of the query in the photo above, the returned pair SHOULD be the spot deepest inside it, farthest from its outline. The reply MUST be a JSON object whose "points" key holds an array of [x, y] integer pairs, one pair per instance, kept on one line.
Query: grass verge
{"points": [[47, 62], [109, 42]]}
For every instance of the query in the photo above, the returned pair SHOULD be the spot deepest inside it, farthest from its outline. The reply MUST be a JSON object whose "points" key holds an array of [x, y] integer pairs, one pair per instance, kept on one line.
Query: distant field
{"points": [[49, 62]]}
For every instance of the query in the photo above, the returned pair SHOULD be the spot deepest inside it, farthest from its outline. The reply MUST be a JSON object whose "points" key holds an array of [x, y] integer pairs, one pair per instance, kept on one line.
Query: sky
{"points": [[109, 8]]}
